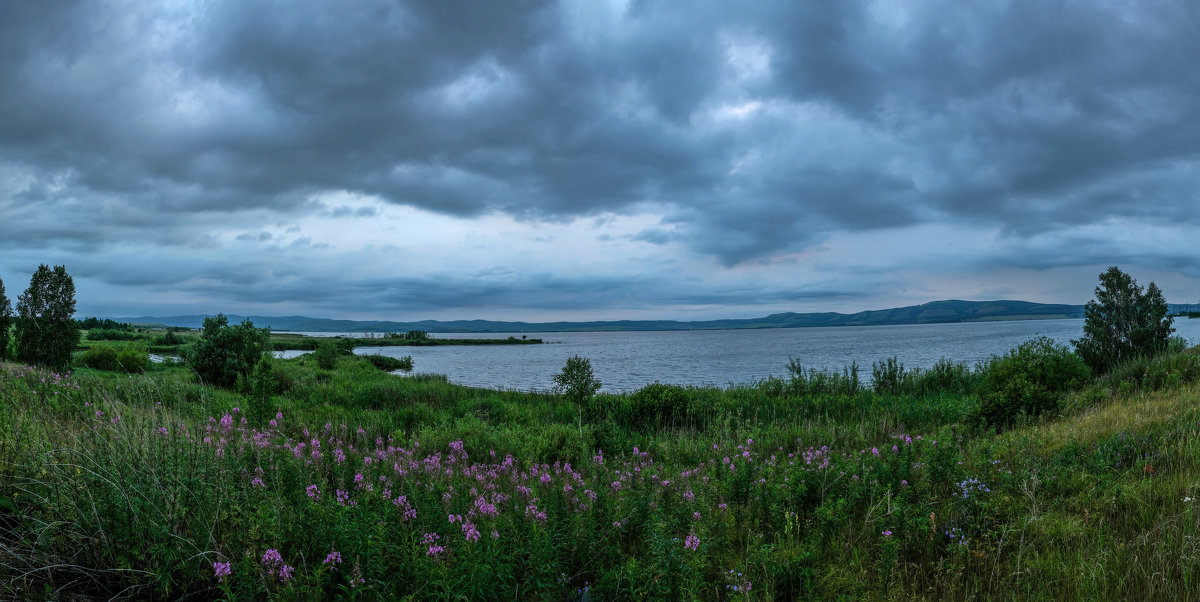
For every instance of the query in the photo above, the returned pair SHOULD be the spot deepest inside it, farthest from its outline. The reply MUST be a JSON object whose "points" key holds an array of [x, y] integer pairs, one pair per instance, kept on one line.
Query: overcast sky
{"points": [[596, 160]]}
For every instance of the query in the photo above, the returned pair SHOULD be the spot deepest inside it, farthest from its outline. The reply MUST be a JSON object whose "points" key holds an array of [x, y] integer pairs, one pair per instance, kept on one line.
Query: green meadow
{"points": [[349, 481]]}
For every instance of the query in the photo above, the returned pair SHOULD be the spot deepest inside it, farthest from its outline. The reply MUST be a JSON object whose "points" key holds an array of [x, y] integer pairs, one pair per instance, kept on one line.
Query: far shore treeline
{"points": [[231, 474]]}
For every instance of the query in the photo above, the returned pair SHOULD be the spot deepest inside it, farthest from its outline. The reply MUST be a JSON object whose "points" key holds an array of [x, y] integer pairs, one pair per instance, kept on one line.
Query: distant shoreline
{"points": [[936, 312]]}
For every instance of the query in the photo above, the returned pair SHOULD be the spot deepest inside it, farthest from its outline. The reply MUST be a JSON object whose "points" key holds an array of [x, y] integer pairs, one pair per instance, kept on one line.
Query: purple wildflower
{"points": [[221, 570]]}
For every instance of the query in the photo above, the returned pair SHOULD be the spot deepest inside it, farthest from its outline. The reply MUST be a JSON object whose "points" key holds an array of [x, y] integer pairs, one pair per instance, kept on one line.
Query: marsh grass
{"points": [[151, 485]]}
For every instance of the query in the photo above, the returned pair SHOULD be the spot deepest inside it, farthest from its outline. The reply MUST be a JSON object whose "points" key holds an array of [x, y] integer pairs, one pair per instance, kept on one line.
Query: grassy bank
{"points": [[373, 485]]}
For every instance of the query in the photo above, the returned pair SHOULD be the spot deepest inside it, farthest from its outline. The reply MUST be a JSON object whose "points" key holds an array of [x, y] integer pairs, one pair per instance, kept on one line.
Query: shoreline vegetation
{"points": [[347, 481], [172, 340], [288, 341]]}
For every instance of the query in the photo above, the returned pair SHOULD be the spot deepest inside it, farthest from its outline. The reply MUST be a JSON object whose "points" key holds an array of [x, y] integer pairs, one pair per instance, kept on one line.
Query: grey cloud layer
{"points": [[756, 127]]}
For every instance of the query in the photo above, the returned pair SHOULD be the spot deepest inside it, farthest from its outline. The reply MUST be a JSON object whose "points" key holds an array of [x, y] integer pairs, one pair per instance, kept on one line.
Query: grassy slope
{"points": [[144, 497]]}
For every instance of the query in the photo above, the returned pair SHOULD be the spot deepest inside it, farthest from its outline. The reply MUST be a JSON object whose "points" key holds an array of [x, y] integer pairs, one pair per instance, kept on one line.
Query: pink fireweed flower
{"points": [[334, 558], [692, 542], [695, 516], [689, 496], [313, 492], [275, 565], [874, 451], [469, 532], [887, 533], [430, 539], [221, 570]]}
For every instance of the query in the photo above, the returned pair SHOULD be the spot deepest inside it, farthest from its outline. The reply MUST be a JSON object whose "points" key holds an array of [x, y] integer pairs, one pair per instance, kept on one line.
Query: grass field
{"points": [[366, 484]]}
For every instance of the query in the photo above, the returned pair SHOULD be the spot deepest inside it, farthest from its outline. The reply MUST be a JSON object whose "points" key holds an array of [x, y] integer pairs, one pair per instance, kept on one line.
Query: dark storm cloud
{"points": [[754, 129]]}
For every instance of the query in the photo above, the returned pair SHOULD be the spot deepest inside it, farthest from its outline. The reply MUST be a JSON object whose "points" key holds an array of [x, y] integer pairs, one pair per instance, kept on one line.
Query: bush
{"points": [[888, 376], [326, 355], [100, 358], [812, 381], [658, 405], [166, 340], [106, 334], [1028, 381], [224, 353], [1123, 322], [133, 358], [130, 358], [390, 364], [1151, 373], [259, 404]]}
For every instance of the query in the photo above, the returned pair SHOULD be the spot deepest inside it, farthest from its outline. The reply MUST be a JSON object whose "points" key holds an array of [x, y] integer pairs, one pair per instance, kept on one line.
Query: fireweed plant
{"points": [[368, 485]]}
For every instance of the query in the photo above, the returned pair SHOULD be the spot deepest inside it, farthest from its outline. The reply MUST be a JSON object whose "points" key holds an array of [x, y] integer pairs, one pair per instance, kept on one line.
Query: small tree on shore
{"points": [[6, 321], [46, 332], [1123, 321], [576, 381]]}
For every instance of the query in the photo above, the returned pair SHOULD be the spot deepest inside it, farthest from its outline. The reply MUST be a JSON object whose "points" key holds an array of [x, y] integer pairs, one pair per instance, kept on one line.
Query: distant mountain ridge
{"points": [[935, 312]]}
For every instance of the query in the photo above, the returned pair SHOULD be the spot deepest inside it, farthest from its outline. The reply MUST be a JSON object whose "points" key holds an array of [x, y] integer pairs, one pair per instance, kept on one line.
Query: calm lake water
{"points": [[625, 361]]}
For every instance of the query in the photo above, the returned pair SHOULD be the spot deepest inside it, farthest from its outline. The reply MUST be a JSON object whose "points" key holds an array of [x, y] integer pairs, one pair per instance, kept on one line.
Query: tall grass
{"points": [[365, 484]]}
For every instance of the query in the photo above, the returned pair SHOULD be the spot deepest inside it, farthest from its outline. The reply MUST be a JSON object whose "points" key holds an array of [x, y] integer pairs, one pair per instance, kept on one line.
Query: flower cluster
{"points": [[275, 565]]}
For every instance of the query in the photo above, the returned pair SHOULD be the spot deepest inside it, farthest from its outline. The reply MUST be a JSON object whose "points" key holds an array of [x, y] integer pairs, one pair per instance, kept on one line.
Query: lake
{"points": [[625, 361]]}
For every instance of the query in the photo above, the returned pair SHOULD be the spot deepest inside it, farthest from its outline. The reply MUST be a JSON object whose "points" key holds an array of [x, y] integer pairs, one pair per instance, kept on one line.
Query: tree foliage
{"points": [[576, 381], [327, 355], [6, 322], [46, 332], [226, 352], [1123, 321]]}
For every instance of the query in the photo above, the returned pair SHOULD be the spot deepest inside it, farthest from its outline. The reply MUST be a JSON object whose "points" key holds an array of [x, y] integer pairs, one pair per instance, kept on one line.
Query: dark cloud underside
{"points": [[754, 130]]}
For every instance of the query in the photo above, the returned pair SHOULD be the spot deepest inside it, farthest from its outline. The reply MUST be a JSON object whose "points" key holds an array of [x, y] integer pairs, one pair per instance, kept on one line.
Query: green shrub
{"points": [[887, 376], [945, 377], [133, 358], [165, 340], [224, 353], [657, 405], [100, 358], [812, 381], [128, 358], [1028, 381], [260, 409], [1151, 373], [390, 364], [326, 355], [106, 334]]}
